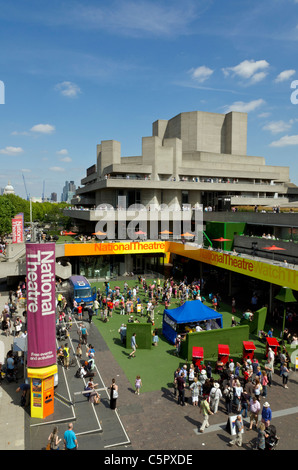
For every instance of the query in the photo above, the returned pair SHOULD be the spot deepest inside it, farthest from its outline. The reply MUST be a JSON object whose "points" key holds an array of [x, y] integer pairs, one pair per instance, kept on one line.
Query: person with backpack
{"points": [[215, 395], [228, 394], [54, 439], [66, 356]]}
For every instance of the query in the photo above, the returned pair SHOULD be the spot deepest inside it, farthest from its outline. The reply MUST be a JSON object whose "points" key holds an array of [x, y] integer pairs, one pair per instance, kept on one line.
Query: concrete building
{"points": [[193, 158]]}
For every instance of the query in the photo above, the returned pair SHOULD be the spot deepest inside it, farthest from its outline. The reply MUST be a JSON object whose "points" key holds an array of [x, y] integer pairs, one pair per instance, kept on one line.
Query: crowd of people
{"points": [[234, 387], [239, 389]]}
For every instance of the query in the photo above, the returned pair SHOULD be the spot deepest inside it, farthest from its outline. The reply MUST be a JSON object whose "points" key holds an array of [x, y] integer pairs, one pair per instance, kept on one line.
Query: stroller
{"points": [[272, 440], [61, 332]]}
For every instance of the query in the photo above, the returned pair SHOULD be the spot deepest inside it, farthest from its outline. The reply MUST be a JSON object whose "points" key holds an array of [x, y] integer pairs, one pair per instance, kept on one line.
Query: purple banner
{"points": [[41, 304]]}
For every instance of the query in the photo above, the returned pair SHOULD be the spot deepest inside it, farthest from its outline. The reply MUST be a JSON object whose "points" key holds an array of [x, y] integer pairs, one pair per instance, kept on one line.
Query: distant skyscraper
{"points": [[68, 192], [54, 197]]}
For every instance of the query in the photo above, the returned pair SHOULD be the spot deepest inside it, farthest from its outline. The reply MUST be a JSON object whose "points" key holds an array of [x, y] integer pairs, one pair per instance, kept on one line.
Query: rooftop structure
{"points": [[193, 158]]}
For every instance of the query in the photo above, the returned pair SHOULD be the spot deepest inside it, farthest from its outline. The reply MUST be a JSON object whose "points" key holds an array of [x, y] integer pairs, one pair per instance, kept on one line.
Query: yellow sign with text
{"points": [[260, 270], [132, 247]]}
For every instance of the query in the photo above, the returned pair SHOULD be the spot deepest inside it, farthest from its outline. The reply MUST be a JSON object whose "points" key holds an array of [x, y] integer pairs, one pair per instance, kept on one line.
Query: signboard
{"points": [[17, 230], [41, 305], [124, 248], [268, 272], [231, 426]]}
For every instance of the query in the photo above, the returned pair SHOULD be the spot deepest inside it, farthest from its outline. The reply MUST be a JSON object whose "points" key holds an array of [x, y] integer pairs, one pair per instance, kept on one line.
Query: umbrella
{"points": [[99, 233], [140, 233], [165, 232], [69, 233], [273, 248], [221, 240], [187, 234]]}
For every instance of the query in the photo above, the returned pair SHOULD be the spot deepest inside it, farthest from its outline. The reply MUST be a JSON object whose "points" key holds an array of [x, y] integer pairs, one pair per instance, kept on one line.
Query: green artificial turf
{"points": [[157, 365]]}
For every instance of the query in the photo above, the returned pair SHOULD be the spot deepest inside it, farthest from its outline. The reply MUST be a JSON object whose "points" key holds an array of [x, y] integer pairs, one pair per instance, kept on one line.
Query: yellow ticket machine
{"points": [[42, 390]]}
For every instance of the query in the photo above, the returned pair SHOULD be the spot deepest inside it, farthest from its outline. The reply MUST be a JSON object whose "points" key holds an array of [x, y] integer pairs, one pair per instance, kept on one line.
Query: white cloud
{"points": [[20, 133], [138, 17], [62, 152], [285, 141], [277, 126], [264, 115], [57, 169], [12, 151], [252, 70], [68, 89], [258, 77], [25, 170], [66, 159], [242, 107], [43, 129], [285, 75], [200, 74]]}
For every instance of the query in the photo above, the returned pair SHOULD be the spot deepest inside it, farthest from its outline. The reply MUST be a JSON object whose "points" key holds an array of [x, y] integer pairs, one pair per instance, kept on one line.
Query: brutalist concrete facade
{"points": [[193, 158]]}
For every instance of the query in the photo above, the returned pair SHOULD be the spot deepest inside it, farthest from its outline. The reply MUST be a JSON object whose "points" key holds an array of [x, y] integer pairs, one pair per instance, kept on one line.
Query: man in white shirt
{"points": [[215, 395]]}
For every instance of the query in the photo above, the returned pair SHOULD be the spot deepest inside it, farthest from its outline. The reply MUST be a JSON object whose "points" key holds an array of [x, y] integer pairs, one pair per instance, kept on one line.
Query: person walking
{"points": [[215, 396], [84, 333], [96, 306], [261, 439], [70, 439], [254, 410], [113, 394], [66, 356], [284, 372], [239, 428], [264, 383], [54, 440], [266, 414], [138, 385], [181, 389], [205, 410], [195, 391], [269, 369], [133, 345]]}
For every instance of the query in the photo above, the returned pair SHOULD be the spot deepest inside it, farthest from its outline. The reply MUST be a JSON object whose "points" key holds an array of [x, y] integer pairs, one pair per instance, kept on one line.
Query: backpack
{"points": [[78, 374], [65, 353]]}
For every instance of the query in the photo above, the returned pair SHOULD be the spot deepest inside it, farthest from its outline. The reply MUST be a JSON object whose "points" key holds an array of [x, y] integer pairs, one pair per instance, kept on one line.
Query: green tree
{"points": [[7, 212]]}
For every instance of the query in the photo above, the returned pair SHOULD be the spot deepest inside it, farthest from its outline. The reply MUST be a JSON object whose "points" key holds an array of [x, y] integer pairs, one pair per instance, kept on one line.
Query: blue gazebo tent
{"points": [[191, 312]]}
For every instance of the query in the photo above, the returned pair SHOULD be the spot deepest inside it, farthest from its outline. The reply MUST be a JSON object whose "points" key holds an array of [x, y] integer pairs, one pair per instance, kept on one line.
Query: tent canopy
{"points": [[192, 311]]}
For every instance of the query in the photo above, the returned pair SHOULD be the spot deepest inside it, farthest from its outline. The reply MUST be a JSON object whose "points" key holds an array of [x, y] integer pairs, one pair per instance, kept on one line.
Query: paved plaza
{"points": [[152, 421]]}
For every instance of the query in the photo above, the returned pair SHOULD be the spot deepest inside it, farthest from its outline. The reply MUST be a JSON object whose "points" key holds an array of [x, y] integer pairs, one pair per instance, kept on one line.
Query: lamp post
{"points": [[285, 296]]}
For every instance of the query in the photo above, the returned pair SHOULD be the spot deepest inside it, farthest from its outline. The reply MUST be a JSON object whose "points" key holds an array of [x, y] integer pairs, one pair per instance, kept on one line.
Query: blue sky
{"points": [[78, 72]]}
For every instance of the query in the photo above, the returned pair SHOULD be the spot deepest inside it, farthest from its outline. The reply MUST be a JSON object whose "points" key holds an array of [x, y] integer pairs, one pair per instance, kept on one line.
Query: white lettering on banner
{"points": [[46, 287]]}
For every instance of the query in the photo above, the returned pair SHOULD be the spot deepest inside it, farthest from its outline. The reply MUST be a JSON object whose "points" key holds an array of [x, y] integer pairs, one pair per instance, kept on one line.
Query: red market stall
{"points": [[223, 353], [248, 350], [273, 344], [198, 356]]}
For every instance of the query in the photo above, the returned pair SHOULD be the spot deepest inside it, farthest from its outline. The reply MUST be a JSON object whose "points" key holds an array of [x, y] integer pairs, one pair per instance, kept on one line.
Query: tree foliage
{"points": [[42, 212]]}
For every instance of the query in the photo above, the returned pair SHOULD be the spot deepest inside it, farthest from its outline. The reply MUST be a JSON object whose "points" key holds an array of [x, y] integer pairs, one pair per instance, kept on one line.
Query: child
{"points": [[155, 338], [138, 385], [79, 351]]}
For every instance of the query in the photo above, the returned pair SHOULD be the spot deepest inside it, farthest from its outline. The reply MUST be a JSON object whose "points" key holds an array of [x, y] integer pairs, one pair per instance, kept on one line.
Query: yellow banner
{"points": [[91, 249], [260, 270]]}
